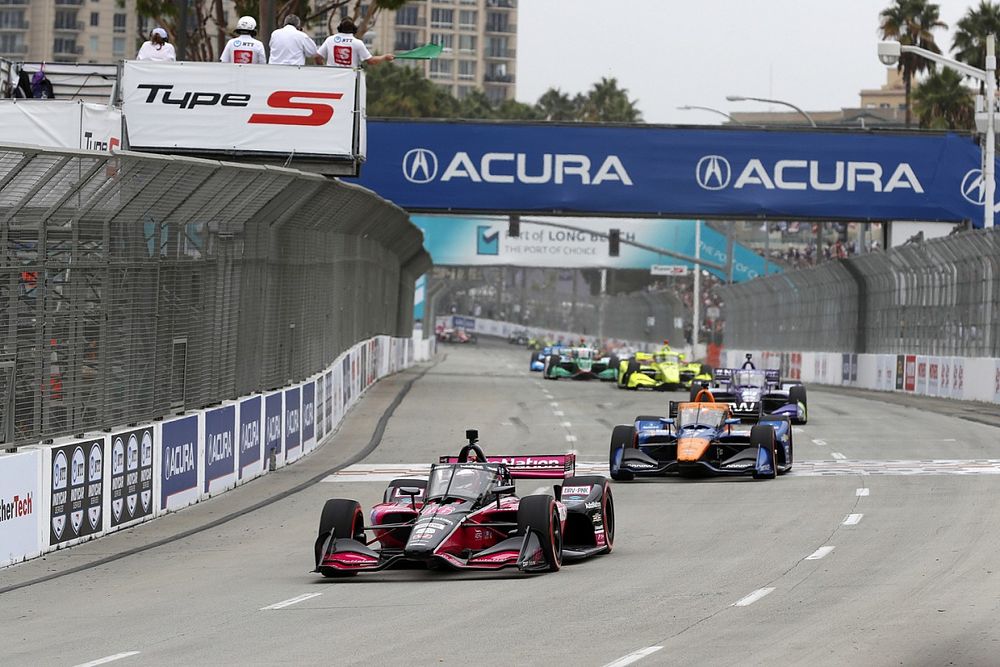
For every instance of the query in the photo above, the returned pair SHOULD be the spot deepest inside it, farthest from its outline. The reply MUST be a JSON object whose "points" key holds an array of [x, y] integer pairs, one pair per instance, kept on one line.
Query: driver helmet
{"points": [[247, 24]]}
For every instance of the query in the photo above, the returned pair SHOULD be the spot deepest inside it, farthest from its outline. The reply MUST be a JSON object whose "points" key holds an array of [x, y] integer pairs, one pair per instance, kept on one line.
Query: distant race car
{"points": [[699, 438], [754, 392], [518, 337], [660, 370], [457, 336], [694, 371], [466, 516], [578, 363], [538, 358]]}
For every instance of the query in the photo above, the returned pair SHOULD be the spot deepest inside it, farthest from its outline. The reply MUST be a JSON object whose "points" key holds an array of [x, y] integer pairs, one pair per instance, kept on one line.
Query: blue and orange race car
{"points": [[701, 437]]}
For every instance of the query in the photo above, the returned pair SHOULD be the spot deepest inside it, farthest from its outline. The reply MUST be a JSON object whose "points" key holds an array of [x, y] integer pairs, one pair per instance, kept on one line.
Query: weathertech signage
{"points": [[21, 506], [252, 108]]}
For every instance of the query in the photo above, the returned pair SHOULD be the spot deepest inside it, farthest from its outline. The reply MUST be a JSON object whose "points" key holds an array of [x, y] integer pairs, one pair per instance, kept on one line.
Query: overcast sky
{"points": [[815, 53]]}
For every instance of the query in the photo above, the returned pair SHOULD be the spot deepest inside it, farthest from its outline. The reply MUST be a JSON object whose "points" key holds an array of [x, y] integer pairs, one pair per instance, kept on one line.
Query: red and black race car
{"points": [[467, 516]]}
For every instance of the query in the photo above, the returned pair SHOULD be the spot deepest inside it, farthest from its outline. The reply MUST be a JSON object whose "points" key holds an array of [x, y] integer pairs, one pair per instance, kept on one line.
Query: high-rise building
{"points": [[479, 39], [67, 31]]}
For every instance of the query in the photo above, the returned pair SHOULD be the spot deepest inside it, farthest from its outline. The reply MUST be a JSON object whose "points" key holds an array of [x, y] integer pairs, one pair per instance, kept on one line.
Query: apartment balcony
{"points": [[502, 4], [69, 50], [490, 77], [502, 54], [16, 50], [16, 27], [69, 3], [404, 46], [76, 26], [502, 28]]}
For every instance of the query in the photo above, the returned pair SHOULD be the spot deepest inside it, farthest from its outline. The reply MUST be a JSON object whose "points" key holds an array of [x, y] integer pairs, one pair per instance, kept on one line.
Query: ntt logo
{"points": [[420, 165]]}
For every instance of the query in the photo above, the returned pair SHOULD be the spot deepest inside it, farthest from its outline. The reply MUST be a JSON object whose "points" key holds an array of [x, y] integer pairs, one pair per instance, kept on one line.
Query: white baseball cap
{"points": [[161, 32]]}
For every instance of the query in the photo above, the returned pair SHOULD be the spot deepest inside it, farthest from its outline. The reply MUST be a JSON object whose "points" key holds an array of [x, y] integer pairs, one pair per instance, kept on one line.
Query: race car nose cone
{"points": [[691, 449]]}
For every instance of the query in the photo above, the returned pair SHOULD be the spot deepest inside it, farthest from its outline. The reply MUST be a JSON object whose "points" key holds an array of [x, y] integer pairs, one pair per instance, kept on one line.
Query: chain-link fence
{"points": [[936, 297], [133, 286]]}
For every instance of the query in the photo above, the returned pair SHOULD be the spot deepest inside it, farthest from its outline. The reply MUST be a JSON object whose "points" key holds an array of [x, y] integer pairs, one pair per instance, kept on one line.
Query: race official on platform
{"points": [[291, 46], [244, 49], [157, 48], [346, 50]]}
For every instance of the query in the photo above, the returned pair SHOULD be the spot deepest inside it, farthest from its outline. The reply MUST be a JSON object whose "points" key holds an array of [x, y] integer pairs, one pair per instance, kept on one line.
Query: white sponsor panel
{"points": [[21, 506], [60, 124], [933, 375], [254, 108], [922, 374]]}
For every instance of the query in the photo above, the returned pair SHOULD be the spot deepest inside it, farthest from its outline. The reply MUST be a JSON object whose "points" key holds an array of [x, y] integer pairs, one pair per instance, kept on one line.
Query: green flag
{"points": [[425, 52]]}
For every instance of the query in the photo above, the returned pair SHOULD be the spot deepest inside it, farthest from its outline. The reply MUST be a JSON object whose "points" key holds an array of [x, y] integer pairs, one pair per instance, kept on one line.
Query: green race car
{"points": [[578, 363]]}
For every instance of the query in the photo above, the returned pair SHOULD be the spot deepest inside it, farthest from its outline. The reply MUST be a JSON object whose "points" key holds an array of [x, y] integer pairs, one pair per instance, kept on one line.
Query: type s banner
{"points": [[307, 111]]}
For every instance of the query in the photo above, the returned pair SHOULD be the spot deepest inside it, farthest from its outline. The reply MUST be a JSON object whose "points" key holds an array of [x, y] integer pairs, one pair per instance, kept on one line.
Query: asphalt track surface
{"points": [[720, 572]]}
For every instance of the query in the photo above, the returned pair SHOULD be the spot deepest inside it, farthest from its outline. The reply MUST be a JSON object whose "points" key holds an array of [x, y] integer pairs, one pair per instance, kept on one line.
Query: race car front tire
{"points": [[622, 436], [539, 513], [345, 519]]}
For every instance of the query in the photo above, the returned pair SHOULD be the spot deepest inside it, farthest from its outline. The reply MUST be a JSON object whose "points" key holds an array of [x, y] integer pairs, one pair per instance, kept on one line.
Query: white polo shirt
{"points": [[343, 50], [291, 46], [244, 50], [150, 51]]}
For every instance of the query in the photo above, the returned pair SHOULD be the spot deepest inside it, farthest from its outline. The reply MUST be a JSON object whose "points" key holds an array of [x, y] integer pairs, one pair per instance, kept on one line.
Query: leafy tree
{"points": [[912, 22], [942, 101], [364, 13], [607, 103], [399, 91], [969, 42], [557, 105]]}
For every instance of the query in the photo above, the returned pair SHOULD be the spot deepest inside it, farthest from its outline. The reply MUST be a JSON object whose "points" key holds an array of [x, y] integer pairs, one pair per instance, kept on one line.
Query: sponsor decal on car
{"points": [[576, 491]]}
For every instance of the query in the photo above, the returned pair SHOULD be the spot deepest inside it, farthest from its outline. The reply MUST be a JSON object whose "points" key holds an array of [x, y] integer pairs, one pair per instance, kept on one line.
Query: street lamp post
{"points": [[692, 107], [889, 53], [741, 98]]}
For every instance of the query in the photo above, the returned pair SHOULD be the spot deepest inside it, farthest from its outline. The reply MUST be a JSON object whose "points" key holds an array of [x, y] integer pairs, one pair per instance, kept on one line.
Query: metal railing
{"points": [[937, 297], [133, 286]]}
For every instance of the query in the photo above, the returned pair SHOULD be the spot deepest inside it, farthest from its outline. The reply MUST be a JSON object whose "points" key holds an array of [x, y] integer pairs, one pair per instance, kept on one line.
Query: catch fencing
{"points": [[135, 286], [939, 297]]}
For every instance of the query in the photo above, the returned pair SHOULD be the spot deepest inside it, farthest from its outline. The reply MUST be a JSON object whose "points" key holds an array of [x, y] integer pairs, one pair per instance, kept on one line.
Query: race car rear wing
{"points": [[544, 466], [770, 374]]}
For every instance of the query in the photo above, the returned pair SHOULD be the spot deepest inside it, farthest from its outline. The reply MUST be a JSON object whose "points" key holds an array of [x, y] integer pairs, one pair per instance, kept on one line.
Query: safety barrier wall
{"points": [[77, 489], [939, 297], [135, 286], [964, 378]]}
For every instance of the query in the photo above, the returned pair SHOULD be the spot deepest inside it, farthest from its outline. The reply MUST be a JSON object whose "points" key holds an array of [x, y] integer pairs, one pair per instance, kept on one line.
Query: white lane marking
{"points": [[838, 456], [566, 424], [570, 438], [558, 413], [862, 492], [289, 602], [949, 440], [798, 429], [107, 659], [853, 519], [820, 553], [817, 441], [634, 656], [512, 365], [554, 404], [753, 597], [548, 396]]}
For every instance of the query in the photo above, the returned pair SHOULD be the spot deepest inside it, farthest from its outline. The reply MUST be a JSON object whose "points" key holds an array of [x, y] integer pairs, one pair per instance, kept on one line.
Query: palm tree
{"points": [[969, 43], [912, 22], [556, 105], [607, 103], [942, 101]]}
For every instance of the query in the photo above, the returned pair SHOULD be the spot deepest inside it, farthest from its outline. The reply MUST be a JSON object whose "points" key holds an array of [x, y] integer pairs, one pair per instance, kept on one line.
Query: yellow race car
{"points": [[664, 370]]}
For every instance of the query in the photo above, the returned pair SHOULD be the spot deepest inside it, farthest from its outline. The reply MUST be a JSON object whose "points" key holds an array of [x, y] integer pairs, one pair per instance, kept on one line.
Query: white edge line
{"points": [[820, 553], [634, 656], [289, 602], [753, 597], [861, 492], [570, 438], [107, 659], [853, 519], [838, 456], [819, 442]]}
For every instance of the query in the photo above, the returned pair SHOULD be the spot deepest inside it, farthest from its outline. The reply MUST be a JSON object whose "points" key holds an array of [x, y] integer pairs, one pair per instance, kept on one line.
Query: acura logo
{"points": [[420, 165], [713, 172], [974, 187]]}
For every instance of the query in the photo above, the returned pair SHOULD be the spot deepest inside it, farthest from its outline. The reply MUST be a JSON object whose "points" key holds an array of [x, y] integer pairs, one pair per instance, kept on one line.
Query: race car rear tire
{"points": [[345, 519], [531, 361], [607, 506], [550, 362], [622, 436], [631, 368], [797, 394], [762, 435], [539, 513], [695, 388]]}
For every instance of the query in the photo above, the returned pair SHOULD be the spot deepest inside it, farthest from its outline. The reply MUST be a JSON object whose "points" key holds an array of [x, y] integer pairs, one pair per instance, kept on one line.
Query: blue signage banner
{"points": [[220, 455], [250, 431], [308, 412], [272, 426], [293, 420], [674, 172], [453, 240], [179, 443]]}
